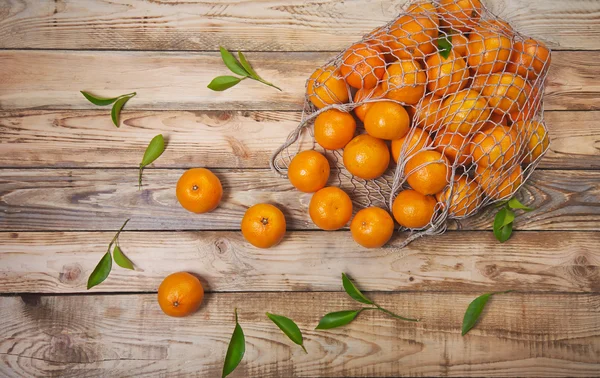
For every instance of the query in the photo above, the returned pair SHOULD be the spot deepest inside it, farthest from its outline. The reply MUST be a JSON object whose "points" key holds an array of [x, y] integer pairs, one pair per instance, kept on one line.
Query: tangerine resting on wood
{"points": [[199, 190], [330, 208], [372, 227], [309, 171], [180, 294], [263, 225]]}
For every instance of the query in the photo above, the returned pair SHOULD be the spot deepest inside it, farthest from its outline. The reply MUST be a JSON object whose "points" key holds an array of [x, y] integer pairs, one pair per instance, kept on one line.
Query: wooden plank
{"points": [[271, 25], [221, 139], [90, 199], [177, 81], [71, 336], [60, 262]]}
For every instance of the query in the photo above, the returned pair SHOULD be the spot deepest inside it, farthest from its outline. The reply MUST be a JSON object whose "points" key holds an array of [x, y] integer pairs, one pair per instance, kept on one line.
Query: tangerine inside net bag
{"points": [[432, 116]]}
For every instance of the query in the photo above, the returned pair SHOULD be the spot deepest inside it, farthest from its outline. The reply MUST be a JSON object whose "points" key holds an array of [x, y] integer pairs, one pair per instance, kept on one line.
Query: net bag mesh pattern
{"points": [[472, 88]]}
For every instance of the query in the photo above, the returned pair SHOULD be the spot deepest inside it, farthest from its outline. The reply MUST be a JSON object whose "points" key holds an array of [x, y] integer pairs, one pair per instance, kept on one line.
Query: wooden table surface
{"points": [[68, 181]]}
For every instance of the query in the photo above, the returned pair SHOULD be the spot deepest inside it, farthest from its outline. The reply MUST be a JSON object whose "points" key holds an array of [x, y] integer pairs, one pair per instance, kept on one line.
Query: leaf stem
{"points": [[114, 239], [140, 177], [394, 315], [303, 348], [269, 84]]}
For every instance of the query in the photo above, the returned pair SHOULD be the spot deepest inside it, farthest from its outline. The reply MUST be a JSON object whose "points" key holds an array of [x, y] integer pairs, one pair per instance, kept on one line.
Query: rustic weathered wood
{"points": [[60, 262], [177, 81], [128, 335], [258, 25], [224, 139], [96, 199]]}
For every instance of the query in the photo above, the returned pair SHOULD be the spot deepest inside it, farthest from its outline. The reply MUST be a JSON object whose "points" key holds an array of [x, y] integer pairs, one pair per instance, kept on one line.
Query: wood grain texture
{"points": [[61, 262], [271, 25], [217, 139], [90, 199], [177, 81], [70, 336]]}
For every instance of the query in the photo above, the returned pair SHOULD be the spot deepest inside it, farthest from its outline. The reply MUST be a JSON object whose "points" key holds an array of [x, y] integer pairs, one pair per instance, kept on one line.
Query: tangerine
{"points": [[413, 36], [417, 140], [454, 146], [412, 209], [464, 111], [180, 294], [466, 197], [404, 81], [496, 146], [529, 59], [461, 15], [427, 113], [199, 190], [536, 139], [372, 227], [363, 65], [363, 95], [387, 120], [330, 208], [309, 171], [366, 157], [326, 87], [488, 51], [263, 225], [497, 183], [506, 92], [334, 129], [427, 172], [446, 75]]}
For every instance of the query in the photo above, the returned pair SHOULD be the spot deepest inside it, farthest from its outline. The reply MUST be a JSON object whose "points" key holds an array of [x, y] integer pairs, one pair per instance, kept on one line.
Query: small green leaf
{"points": [[247, 66], [445, 45], [232, 63], [503, 224], [288, 327], [121, 259], [474, 310], [100, 101], [514, 203], [235, 350], [353, 291], [116, 109], [155, 148], [101, 271], [220, 83], [338, 319]]}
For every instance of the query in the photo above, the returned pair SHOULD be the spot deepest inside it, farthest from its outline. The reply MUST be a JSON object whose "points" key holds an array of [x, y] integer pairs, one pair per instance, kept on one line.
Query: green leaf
{"points": [[288, 327], [514, 203], [220, 83], [235, 350], [116, 109], [247, 66], [232, 63], [121, 259], [353, 291], [338, 319], [100, 101], [445, 45], [155, 148], [474, 310], [503, 224], [101, 271]]}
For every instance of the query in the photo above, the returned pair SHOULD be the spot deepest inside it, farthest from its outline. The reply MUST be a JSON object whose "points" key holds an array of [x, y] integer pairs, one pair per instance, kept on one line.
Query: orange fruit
{"points": [[531, 106], [459, 15], [363, 95], [412, 209], [498, 119], [326, 87], [366, 157], [464, 111], [446, 75], [488, 51], [413, 35], [536, 139], [180, 294], [454, 146], [425, 8], [381, 39], [427, 113], [199, 190], [334, 129], [496, 146], [417, 140], [362, 65], [427, 172], [459, 43], [387, 120], [499, 184], [404, 81], [263, 225], [505, 92], [466, 197], [309, 171], [330, 208], [529, 59], [372, 227]]}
